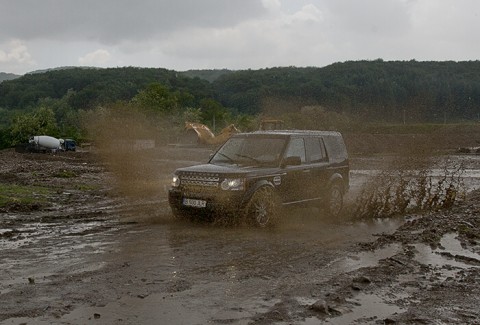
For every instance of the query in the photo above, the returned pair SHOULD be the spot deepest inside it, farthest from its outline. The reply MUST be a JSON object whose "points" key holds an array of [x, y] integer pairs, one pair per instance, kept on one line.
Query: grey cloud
{"points": [[115, 20], [371, 17]]}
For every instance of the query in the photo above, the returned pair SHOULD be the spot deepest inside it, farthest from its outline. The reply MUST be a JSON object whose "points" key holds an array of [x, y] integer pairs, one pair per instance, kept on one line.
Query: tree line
{"points": [[425, 91], [393, 91]]}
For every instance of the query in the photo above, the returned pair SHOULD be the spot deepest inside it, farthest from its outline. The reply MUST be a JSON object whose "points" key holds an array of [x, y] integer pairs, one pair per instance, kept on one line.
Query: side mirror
{"points": [[292, 161]]}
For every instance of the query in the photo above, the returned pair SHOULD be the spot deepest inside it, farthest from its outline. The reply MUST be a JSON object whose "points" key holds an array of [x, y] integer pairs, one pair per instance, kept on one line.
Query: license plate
{"points": [[195, 203]]}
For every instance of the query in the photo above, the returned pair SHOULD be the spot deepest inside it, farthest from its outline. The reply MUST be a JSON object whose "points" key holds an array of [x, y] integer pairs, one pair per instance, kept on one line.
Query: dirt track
{"points": [[94, 247]]}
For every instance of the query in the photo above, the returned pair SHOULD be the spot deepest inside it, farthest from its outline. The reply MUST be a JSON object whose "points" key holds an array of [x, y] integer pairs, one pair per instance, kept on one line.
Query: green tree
{"points": [[67, 117], [156, 97], [5, 138], [40, 122], [191, 114], [212, 112]]}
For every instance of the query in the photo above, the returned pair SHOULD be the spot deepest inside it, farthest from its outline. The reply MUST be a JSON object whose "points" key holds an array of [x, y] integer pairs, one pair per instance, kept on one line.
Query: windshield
{"points": [[250, 151]]}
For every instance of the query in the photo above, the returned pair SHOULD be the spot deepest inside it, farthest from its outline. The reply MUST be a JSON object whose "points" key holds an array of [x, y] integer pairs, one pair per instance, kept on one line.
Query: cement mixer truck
{"points": [[44, 143]]}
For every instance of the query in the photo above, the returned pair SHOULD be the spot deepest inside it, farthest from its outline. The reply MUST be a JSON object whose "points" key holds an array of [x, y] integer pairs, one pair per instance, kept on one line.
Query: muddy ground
{"points": [[98, 244]]}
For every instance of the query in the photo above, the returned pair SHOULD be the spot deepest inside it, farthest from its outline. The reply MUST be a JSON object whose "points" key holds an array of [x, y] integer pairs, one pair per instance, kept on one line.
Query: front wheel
{"points": [[335, 200], [262, 208]]}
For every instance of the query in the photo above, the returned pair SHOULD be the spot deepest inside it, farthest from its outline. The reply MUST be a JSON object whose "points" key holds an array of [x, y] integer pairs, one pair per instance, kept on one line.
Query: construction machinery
{"points": [[198, 133], [201, 134], [44, 143]]}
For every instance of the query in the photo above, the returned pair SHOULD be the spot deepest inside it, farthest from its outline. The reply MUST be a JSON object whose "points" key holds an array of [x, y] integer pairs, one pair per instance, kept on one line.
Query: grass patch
{"points": [[22, 195], [86, 187], [469, 231]]}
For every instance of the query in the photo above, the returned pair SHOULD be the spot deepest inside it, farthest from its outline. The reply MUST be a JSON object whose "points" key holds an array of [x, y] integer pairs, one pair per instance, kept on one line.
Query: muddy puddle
{"points": [[450, 255], [356, 261], [189, 273], [366, 309]]}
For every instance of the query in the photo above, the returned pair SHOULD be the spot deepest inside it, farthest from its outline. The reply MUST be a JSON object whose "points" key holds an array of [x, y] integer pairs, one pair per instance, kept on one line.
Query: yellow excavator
{"points": [[198, 133], [201, 134]]}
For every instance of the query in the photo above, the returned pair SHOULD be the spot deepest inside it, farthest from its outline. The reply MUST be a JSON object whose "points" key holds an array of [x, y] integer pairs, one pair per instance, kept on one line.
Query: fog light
{"points": [[175, 181]]}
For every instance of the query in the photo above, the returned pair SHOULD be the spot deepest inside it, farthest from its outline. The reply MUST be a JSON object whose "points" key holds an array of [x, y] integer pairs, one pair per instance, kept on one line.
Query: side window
{"points": [[316, 150], [296, 147]]}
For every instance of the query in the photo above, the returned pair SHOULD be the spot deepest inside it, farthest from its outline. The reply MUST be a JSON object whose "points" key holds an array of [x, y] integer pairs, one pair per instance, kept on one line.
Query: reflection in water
{"points": [[366, 305], [446, 256], [368, 259]]}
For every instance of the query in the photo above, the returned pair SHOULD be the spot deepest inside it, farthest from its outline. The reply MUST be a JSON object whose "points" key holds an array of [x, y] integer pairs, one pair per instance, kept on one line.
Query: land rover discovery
{"points": [[255, 174]]}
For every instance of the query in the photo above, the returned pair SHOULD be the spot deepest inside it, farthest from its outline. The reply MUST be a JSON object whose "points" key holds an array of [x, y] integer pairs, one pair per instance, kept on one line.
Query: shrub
{"points": [[404, 190]]}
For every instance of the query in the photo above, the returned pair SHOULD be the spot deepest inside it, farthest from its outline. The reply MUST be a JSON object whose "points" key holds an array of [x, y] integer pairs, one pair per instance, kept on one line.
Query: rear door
{"points": [[317, 160]]}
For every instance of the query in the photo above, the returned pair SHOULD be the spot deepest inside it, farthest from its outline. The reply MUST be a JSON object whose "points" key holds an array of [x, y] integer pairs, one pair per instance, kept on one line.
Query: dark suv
{"points": [[254, 174]]}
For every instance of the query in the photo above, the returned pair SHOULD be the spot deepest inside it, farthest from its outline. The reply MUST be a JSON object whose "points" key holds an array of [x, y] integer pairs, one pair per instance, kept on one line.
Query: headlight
{"points": [[233, 184], [175, 181]]}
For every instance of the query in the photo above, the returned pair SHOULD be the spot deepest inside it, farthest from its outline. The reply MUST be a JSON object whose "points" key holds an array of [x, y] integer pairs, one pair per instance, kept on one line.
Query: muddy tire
{"points": [[334, 202], [262, 209]]}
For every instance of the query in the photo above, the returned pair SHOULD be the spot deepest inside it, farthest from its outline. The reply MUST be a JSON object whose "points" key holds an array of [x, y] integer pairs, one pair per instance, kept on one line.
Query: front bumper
{"points": [[219, 202]]}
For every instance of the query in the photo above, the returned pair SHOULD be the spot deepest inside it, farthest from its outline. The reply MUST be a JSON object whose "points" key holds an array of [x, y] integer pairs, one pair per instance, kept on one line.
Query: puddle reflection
{"points": [[438, 257]]}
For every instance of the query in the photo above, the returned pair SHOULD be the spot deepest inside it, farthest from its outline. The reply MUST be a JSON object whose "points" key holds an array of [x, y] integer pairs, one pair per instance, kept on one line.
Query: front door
{"points": [[296, 176]]}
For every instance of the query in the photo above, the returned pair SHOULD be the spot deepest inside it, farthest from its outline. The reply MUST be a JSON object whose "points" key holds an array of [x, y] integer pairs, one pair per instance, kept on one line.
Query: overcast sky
{"points": [[233, 34]]}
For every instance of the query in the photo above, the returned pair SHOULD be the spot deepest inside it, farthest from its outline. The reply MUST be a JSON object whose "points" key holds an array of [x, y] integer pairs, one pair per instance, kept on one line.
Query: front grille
{"points": [[200, 180]]}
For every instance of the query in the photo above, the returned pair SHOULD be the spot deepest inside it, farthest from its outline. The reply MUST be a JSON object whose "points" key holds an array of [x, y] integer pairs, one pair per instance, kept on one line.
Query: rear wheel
{"points": [[262, 208], [335, 200]]}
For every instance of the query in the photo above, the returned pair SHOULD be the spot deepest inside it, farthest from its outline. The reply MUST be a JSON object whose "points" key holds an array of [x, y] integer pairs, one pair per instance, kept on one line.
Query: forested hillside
{"points": [[209, 75], [423, 91], [91, 87], [55, 101], [7, 76]]}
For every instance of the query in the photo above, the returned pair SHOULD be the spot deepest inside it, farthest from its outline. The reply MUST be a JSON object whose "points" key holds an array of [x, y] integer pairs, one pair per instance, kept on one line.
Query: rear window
{"points": [[336, 148], [315, 150]]}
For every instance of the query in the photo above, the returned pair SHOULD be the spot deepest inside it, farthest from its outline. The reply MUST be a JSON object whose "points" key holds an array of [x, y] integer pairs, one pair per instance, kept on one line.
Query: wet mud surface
{"points": [[93, 247]]}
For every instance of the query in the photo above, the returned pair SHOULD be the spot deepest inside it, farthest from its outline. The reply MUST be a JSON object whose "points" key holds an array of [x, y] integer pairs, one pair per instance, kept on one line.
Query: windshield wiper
{"points": [[249, 157], [224, 155]]}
